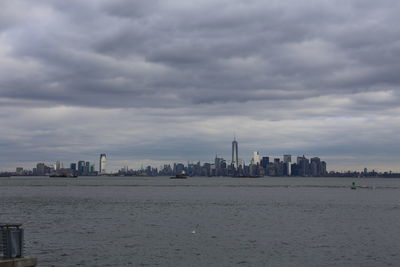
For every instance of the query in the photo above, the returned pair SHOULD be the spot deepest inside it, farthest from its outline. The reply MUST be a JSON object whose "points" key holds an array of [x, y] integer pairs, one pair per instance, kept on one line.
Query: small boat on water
{"points": [[62, 175], [353, 186], [181, 175], [247, 176]]}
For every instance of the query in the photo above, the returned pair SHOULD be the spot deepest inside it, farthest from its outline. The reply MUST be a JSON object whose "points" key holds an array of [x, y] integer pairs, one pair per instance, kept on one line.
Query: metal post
{"points": [[12, 240]]}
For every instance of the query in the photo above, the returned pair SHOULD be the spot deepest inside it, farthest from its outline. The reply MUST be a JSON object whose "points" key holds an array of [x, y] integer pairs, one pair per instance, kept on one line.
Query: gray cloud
{"points": [[189, 73]]}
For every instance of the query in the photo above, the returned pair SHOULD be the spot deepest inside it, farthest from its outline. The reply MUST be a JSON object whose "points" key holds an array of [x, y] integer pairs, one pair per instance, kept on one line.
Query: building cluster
{"points": [[81, 168], [257, 167], [264, 167]]}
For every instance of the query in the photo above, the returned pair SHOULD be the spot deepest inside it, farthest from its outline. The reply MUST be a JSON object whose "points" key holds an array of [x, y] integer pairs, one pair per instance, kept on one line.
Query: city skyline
{"points": [[237, 163], [148, 83]]}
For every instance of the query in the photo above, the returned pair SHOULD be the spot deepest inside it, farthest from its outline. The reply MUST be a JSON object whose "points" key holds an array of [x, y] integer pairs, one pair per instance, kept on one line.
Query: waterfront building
{"points": [[72, 166], [303, 166], [264, 162], [87, 168], [256, 158], [323, 168], [270, 170], [220, 167], [264, 165], [92, 169], [287, 160], [103, 163], [235, 154], [166, 170], [81, 167], [40, 169], [19, 171], [315, 166], [206, 170], [58, 165], [178, 168]]}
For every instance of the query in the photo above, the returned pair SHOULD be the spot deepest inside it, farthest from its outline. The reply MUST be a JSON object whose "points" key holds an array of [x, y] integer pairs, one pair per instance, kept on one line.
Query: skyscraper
{"points": [[256, 158], [81, 167], [40, 169], [287, 160], [103, 162], [235, 153], [315, 166], [58, 165]]}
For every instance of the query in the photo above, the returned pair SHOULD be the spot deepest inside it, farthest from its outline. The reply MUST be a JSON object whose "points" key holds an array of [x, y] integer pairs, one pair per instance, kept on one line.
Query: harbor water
{"points": [[156, 221]]}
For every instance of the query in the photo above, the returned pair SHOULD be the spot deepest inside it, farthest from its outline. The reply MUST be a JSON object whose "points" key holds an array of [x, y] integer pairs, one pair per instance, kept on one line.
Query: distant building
{"points": [[103, 162], [72, 166], [220, 167], [40, 169], [287, 161], [87, 168], [264, 165], [256, 158], [92, 170], [235, 154], [278, 167], [315, 166], [302, 166], [264, 162], [81, 167], [323, 168], [179, 168], [19, 171], [58, 165]]}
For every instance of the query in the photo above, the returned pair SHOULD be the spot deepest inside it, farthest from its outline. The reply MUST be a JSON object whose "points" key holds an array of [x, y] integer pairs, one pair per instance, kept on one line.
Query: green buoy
{"points": [[353, 187]]}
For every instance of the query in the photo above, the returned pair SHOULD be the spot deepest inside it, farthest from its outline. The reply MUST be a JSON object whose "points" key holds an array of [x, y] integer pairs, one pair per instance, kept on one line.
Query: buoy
{"points": [[353, 187], [194, 231]]}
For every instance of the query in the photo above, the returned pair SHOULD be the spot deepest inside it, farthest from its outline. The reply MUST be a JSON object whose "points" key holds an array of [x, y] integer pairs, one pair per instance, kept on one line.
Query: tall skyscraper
{"points": [[235, 153], [315, 166], [81, 167], [73, 166], [287, 159], [40, 169], [57, 166], [87, 168], [256, 158], [103, 162]]}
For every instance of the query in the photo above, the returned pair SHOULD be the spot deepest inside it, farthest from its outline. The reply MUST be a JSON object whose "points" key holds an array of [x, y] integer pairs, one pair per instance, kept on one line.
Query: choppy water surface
{"points": [[114, 221]]}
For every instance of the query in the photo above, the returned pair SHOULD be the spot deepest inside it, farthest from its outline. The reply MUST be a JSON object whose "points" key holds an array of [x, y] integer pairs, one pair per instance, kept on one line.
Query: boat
{"points": [[247, 176], [181, 175], [353, 186], [62, 175]]}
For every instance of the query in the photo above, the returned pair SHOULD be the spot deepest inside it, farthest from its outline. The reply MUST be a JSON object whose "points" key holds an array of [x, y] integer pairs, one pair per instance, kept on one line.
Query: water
{"points": [[118, 221]]}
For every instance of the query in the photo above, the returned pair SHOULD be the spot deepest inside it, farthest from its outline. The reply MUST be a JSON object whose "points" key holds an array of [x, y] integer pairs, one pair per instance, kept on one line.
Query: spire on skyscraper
{"points": [[235, 153]]}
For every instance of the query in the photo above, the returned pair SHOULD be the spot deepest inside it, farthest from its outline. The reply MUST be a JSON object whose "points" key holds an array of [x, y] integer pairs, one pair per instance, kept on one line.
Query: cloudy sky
{"points": [[172, 80]]}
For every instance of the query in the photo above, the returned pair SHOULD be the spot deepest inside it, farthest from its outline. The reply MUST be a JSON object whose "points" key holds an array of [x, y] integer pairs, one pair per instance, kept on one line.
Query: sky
{"points": [[152, 82]]}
